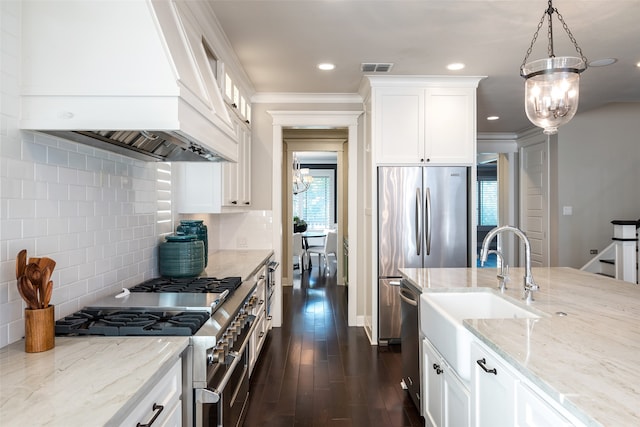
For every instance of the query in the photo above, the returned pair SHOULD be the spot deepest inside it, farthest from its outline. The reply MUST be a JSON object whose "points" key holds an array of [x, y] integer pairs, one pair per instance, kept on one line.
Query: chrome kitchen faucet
{"points": [[529, 284]]}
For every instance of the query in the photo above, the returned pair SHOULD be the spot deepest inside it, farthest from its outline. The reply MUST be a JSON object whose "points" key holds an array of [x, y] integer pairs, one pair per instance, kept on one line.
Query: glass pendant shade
{"points": [[551, 91]]}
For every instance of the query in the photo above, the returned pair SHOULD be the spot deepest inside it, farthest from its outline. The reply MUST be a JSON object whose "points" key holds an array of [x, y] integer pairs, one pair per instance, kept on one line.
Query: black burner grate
{"points": [[195, 285], [132, 323]]}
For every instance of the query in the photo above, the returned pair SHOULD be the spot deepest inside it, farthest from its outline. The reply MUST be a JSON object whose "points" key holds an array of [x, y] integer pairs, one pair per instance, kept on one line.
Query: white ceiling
{"points": [[279, 43]]}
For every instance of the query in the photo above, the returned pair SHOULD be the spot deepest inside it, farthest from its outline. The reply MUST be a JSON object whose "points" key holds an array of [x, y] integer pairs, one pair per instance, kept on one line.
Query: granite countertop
{"points": [[588, 361], [89, 381], [95, 381]]}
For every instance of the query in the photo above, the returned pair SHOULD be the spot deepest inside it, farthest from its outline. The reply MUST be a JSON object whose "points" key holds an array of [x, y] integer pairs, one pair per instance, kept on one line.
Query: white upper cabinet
{"points": [[236, 177], [426, 120]]}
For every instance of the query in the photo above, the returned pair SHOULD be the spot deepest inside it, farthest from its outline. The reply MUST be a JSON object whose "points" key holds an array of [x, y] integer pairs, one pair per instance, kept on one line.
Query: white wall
{"points": [[93, 212], [598, 175]]}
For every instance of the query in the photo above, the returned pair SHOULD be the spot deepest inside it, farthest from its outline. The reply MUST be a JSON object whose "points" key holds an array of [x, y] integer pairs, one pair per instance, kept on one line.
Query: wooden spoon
{"points": [[47, 294], [29, 292], [33, 273], [21, 263], [47, 262], [44, 281], [21, 291]]}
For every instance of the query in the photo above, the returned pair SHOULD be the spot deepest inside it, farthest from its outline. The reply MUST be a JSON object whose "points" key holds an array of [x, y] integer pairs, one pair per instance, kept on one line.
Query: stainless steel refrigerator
{"points": [[422, 222]]}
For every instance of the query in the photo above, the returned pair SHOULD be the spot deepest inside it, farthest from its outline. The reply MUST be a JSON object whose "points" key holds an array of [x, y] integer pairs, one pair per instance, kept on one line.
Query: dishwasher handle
{"points": [[406, 297]]}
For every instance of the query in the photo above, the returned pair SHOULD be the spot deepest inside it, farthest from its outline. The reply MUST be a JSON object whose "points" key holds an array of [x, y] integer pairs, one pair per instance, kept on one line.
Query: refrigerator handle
{"points": [[428, 219], [418, 228]]}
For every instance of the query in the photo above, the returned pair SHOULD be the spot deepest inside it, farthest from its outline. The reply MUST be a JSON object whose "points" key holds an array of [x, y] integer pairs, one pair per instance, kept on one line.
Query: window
{"points": [[317, 205], [487, 195], [164, 210]]}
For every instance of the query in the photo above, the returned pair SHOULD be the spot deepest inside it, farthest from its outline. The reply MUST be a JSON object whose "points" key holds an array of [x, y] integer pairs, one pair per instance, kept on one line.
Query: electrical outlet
{"points": [[593, 252], [242, 242]]}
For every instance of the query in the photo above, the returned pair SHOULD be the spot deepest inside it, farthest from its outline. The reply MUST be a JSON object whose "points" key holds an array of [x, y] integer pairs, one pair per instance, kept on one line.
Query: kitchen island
{"points": [[587, 361], [95, 380]]}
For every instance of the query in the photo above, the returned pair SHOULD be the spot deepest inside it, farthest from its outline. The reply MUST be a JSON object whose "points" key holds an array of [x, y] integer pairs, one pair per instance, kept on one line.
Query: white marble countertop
{"points": [[587, 361], [88, 381], [243, 263]]}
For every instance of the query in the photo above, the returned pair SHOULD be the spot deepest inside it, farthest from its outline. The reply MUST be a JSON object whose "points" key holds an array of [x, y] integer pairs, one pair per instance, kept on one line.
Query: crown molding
{"points": [[305, 98]]}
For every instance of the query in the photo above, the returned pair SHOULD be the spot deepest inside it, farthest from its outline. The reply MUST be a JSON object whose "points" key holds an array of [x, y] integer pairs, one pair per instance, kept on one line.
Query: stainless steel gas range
{"points": [[219, 316]]}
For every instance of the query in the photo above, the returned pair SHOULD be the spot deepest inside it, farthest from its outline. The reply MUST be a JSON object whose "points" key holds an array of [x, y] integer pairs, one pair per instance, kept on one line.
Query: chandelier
{"points": [[551, 87], [301, 178]]}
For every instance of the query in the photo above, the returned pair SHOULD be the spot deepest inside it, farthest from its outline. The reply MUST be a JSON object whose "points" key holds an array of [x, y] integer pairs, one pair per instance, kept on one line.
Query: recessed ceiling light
{"points": [[638, 65], [326, 66], [493, 118], [603, 62], [455, 66]]}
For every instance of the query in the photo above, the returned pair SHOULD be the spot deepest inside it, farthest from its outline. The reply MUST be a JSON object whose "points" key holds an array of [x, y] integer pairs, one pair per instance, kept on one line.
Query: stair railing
{"points": [[620, 259]]}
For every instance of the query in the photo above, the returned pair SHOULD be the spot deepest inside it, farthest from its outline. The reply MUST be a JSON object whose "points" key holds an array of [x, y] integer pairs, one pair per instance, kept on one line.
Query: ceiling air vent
{"points": [[372, 67]]}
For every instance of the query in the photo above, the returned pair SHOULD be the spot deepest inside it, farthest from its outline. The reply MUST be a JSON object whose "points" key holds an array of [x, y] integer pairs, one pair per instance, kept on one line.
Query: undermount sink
{"points": [[442, 313]]}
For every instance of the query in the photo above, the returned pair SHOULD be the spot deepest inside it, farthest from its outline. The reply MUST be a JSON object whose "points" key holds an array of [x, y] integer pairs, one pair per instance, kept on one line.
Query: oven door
{"points": [[223, 402]]}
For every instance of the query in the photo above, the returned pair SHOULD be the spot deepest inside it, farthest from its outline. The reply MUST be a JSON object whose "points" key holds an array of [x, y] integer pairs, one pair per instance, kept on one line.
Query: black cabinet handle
{"points": [[482, 363], [156, 407]]}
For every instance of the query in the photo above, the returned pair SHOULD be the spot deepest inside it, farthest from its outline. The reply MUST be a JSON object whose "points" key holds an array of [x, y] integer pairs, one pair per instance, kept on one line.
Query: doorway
{"points": [[314, 119], [497, 166], [321, 155]]}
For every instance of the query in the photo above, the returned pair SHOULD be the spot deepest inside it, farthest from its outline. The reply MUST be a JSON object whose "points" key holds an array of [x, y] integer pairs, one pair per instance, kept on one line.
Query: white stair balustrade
{"points": [[620, 259]]}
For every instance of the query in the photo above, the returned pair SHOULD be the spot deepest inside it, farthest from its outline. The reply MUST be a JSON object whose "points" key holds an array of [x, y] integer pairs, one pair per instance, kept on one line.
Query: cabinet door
{"points": [[493, 390], [399, 125], [432, 371], [244, 172], [450, 133], [455, 404], [161, 401], [237, 176], [198, 187], [533, 411], [230, 184]]}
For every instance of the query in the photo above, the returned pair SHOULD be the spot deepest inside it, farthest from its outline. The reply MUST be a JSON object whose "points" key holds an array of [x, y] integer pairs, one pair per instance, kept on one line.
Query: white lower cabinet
{"points": [[446, 402], [532, 410], [503, 397], [493, 391], [161, 406]]}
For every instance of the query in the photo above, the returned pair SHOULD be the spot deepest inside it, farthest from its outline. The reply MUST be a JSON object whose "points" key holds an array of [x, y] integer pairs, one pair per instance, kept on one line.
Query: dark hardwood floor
{"points": [[316, 371]]}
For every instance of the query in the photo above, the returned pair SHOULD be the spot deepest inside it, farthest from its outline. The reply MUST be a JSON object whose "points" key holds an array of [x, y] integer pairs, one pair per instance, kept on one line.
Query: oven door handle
{"points": [[204, 395]]}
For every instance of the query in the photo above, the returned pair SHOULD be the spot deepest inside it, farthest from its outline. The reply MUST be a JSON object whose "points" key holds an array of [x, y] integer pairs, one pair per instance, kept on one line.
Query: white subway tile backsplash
{"points": [[33, 227], [11, 188], [56, 191], [57, 157], [19, 209], [34, 152], [92, 211], [46, 173], [46, 208]]}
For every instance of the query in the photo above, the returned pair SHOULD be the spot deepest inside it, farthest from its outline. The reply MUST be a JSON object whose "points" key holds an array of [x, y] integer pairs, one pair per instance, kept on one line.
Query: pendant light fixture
{"points": [[301, 178], [551, 87]]}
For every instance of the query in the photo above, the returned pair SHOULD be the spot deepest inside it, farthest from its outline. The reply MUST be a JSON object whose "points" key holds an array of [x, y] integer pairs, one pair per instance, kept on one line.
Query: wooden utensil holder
{"points": [[39, 329]]}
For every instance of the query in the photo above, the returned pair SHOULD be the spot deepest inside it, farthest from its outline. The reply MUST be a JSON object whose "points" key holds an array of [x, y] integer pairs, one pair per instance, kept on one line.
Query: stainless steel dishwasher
{"points": [[410, 340]]}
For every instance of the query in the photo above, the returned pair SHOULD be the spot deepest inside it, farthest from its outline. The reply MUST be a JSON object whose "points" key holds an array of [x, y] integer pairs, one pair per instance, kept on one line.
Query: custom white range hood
{"points": [[137, 77]]}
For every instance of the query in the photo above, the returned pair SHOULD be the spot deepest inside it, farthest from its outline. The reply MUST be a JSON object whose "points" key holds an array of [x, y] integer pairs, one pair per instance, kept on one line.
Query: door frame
{"points": [[345, 119]]}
